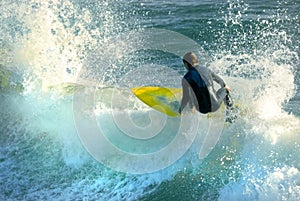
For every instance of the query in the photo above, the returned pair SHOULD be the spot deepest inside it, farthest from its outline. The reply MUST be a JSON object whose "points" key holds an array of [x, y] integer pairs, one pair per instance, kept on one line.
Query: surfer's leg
{"points": [[232, 112], [217, 98]]}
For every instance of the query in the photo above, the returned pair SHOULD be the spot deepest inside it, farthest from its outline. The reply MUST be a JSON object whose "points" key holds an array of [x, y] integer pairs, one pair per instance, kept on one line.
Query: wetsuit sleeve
{"points": [[218, 79], [185, 94]]}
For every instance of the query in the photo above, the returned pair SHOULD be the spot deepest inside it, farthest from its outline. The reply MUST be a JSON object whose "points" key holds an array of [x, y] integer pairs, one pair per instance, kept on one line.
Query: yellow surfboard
{"points": [[165, 100]]}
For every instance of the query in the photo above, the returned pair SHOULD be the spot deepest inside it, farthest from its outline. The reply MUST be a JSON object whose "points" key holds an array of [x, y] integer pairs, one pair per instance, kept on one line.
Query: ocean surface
{"points": [[70, 128]]}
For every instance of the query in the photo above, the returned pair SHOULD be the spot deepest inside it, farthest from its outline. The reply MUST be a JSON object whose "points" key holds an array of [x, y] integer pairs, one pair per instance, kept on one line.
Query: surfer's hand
{"points": [[228, 89]]}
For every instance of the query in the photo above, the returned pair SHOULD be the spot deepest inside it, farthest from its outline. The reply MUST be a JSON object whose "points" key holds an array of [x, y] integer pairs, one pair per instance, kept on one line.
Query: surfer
{"points": [[198, 87]]}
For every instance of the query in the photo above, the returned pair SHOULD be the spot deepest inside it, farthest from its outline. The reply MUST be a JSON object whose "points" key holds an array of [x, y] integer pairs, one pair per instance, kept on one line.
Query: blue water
{"points": [[70, 129]]}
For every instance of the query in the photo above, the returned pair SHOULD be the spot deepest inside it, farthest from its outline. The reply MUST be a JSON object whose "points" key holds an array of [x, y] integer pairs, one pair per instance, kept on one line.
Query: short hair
{"points": [[190, 58]]}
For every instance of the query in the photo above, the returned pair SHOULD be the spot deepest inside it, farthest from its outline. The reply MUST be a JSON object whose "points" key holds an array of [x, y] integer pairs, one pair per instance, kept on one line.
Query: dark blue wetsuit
{"points": [[197, 85], [199, 94]]}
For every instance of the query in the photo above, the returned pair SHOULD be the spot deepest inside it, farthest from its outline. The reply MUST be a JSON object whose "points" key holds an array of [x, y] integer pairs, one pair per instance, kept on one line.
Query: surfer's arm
{"points": [[185, 94], [220, 81]]}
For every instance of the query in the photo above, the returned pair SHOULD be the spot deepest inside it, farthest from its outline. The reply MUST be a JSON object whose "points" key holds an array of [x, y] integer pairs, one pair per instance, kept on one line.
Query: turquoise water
{"points": [[70, 129]]}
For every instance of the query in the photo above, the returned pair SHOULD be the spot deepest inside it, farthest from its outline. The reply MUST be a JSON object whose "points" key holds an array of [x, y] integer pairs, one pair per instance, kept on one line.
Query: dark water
{"points": [[253, 44]]}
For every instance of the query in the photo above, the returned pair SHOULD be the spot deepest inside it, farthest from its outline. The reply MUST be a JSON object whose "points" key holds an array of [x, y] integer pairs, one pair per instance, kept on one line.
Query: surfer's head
{"points": [[190, 59]]}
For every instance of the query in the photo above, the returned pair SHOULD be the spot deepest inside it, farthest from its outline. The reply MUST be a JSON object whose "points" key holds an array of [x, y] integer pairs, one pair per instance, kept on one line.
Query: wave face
{"points": [[66, 68]]}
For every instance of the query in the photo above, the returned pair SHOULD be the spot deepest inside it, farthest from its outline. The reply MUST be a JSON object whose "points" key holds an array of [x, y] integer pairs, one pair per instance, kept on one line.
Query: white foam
{"points": [[279, 184]]}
